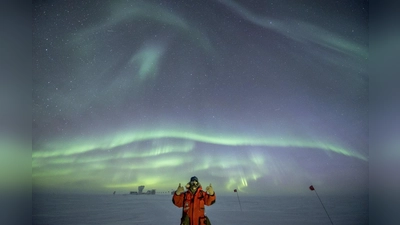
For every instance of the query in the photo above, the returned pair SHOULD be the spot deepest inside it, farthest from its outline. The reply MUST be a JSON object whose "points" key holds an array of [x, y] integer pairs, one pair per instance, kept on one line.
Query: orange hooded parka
{"points": [[193, 205]]}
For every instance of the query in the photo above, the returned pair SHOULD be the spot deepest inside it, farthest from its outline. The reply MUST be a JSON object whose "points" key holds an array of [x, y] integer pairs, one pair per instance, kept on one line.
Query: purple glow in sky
{"points": [[264, 96]]}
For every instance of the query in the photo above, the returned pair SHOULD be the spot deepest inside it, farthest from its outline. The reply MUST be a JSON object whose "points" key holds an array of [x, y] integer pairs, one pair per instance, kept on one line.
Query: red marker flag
{"points": [[235, 190], [312, 188]]}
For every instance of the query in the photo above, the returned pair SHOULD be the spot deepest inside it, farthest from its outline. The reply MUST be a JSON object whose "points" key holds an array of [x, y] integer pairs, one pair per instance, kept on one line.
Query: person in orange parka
{"points": [[193, 202]]}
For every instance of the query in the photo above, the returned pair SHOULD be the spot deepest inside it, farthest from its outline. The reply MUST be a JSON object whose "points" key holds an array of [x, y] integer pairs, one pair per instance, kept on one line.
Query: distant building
{"points": [[140, 189], [151, 192]]}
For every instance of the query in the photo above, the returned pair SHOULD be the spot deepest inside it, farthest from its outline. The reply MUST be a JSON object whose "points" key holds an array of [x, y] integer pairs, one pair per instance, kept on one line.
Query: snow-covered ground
{"points": [[62, 209]]}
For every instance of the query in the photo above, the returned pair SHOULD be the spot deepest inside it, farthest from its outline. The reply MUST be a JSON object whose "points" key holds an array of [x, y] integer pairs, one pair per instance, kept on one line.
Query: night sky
{"points": [[267, 97]]}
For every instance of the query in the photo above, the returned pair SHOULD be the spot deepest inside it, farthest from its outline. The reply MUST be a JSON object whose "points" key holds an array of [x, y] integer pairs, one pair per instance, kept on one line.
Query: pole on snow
{"points": [[313, 189], [238, 198]]}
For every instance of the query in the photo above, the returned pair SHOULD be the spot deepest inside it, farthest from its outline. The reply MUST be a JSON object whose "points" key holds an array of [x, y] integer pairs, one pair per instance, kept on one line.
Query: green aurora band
{"points": [[65, 166], [123, 139]]}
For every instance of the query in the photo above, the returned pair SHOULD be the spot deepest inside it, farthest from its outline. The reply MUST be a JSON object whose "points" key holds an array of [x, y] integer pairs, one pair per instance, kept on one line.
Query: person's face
{"points": [[193, 183]]}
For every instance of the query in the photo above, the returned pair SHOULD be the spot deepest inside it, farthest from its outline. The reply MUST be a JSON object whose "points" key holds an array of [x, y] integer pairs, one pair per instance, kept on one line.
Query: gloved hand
{"points": [[179, 190], [210, 190]]}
